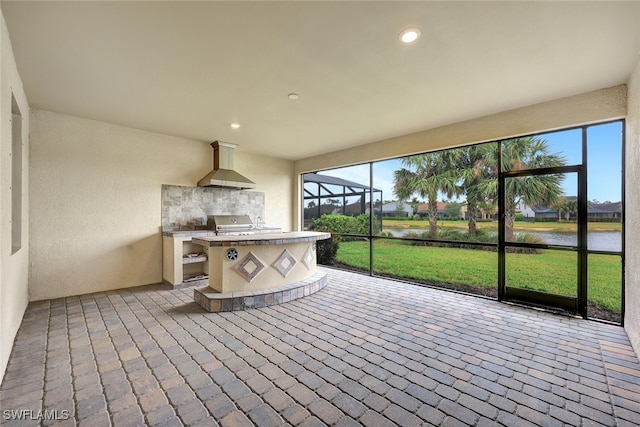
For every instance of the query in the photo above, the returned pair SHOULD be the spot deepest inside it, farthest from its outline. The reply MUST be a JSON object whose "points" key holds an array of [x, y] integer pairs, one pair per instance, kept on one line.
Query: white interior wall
{"points": [[14, 295], [96, 200], [632, 211]]}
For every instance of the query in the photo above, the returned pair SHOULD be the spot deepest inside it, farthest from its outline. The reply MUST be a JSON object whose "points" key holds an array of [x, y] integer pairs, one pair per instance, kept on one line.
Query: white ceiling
{"points": [[189, 69]]}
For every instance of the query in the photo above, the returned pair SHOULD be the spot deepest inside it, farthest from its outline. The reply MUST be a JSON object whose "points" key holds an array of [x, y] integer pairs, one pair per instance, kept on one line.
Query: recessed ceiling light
{"points": [[293, 96], [235, 125], [409, 35]]}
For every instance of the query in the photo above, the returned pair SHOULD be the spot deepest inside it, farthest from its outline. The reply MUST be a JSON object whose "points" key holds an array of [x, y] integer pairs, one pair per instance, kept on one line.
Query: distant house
{"points": [[423, 210], [464, 211], [525, 210], [481, 214], [605, 210], [489, 212], [542, 213], [397, 209], [357, 208], [611, 210]]}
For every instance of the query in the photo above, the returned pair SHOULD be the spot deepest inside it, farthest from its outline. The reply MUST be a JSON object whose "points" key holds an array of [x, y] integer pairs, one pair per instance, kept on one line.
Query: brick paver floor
{"points": [[363, 351]]}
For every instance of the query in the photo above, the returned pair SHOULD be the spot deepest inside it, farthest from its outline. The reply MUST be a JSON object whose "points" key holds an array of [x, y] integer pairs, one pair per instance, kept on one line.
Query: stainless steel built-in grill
{"points": [[230, 225]]}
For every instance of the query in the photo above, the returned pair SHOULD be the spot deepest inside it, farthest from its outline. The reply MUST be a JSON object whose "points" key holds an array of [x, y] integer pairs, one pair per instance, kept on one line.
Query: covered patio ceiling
{"points": [[190, 69]]}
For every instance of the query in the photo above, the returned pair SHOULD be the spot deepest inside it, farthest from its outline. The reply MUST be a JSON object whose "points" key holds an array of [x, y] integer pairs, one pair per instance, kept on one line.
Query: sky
{"points": [[604, 153]]}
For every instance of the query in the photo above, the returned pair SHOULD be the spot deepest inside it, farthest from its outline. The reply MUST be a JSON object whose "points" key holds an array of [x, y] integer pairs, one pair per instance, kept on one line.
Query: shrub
{"points": [[326, 251], [343, 224], [453, 236], [337, 225], [363, 221], [527, 238]]}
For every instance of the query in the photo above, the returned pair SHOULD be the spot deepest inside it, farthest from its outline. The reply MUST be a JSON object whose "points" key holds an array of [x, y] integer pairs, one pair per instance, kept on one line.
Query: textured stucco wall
{"points": [[276, 178], [96, 200], [632, 210], [14, 295]]}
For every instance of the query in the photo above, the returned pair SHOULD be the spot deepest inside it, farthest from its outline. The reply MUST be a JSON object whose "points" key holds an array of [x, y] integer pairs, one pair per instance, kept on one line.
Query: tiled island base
{"points": [[215, 302]]}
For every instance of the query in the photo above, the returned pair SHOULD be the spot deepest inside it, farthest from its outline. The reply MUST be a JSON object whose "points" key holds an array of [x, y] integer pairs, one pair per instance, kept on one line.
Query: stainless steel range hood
{"points": [[223, 174]]}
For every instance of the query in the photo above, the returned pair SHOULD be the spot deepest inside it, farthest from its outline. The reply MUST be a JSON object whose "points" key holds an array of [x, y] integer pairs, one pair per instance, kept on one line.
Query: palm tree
{"points": [[522, 154], [560, 206], [414, 203], [564, 206], [474, 168], [425, 175], [571, 208]]}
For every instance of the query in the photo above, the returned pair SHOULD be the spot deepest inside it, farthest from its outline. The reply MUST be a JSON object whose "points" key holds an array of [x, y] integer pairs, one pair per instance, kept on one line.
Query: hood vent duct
{"points": [[223, 174]]}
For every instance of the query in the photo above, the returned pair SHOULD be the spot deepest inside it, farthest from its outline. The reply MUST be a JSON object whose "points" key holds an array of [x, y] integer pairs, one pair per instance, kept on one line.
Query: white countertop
{"points": [[262, 239]]}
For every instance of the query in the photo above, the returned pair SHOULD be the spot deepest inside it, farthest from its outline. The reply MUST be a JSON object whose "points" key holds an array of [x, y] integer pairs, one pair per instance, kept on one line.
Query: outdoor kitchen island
{"points": [[258, 270]]}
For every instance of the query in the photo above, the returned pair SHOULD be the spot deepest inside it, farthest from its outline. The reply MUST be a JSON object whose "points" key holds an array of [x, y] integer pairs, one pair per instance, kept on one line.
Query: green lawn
{"points": [[557, 227], [550, 271]]}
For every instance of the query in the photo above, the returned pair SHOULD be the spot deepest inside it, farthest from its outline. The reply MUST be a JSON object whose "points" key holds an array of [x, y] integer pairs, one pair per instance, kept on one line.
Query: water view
{"points": [[596, 240]]}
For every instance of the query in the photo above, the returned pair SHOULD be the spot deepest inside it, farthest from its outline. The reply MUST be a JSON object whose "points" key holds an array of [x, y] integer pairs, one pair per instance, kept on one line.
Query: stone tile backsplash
{"points": [[189, 206]]}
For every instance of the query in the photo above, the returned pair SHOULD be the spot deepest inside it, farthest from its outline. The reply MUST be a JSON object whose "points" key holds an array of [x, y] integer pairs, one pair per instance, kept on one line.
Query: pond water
{"points": [[596, 241]]}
